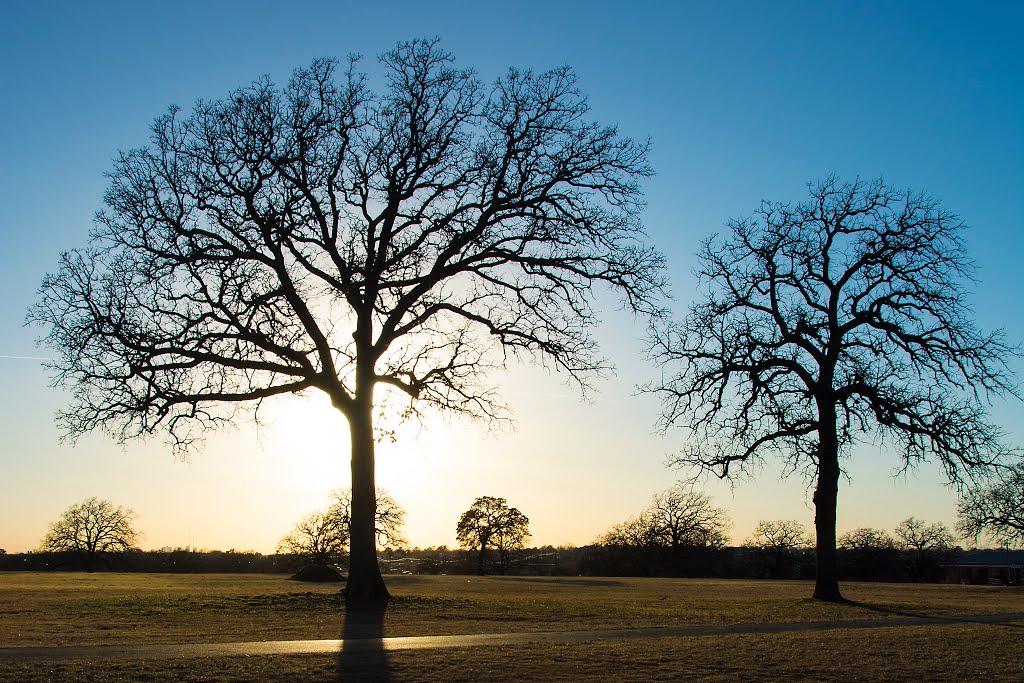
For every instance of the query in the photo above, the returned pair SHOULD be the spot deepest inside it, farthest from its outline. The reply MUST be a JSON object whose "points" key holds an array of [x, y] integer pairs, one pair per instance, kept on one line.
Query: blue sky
{"points": [[742, 101]]}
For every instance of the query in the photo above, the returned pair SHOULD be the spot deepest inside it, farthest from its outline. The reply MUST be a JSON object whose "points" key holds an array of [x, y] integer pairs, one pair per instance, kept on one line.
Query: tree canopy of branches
{"points": [[678, 517], [328, 236], [995, 509], [323, 536], [91, 528], [925, 541], [915, 534], [779, 534], [866, 539], [389, 517], [491, 523], [839, 319], [780, 540]]}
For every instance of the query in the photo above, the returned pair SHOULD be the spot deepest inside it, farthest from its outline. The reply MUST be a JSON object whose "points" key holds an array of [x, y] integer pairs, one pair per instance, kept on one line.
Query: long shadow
{"points": [[961, 619], [363, 656]]}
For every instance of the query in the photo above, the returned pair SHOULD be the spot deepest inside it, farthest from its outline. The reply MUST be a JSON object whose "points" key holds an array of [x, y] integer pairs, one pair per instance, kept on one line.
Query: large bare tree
{"points": [[837, 320], [366, 244]]}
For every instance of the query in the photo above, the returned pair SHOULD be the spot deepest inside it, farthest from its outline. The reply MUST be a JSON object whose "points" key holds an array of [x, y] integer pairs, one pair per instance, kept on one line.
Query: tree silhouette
{"points": [[389, 517], [680, 517], [664, 536], [323, 536], [91, 528], [491, 523], [781, 538], [995, 509], [839, 319], [385, 248], [925, 541]]}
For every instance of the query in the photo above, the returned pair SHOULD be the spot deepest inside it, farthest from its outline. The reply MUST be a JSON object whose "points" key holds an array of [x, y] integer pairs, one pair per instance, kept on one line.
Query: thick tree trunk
{"points": [[365, 583], [826, 495]]}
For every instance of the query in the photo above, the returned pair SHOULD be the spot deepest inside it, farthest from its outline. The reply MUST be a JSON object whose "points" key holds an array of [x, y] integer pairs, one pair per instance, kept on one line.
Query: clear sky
{"points": [[742, 101]]}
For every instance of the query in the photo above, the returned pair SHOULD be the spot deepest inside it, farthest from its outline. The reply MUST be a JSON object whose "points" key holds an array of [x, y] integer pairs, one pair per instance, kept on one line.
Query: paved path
{"points": [[375, 645]]}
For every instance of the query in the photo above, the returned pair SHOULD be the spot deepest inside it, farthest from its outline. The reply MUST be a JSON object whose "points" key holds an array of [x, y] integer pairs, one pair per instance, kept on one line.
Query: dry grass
{"points": [[942, 653], [82, 609]]}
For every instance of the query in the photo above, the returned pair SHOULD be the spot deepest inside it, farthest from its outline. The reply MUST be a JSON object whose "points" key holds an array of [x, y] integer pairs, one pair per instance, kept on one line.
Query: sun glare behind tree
{"points": [[327, 236]]}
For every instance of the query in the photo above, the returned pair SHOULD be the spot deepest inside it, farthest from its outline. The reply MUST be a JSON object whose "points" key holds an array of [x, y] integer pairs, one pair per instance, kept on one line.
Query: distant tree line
{"points": [[681, 533]]}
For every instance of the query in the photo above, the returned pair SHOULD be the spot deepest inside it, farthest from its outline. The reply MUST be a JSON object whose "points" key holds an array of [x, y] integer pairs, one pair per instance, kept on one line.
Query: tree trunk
{"points": [[365, 583], [826, 495], [480, 560]]}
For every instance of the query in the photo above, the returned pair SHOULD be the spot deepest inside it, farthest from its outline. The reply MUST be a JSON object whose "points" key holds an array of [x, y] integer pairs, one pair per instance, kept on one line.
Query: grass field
{"points": [[110, 609]]}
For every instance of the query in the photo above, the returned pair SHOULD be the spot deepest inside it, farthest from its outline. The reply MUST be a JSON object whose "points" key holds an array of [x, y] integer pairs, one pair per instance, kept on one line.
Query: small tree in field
{"points": [[781, 538], [926, 542], [680, 517], [838, 320], [320, 537], [323, 536], [92, 528], [389, 517], [382, 246], [491, 523]]}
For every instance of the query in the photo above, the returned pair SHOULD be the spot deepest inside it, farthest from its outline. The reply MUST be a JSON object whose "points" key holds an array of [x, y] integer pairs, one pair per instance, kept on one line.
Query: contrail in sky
{"points": [[23, 357]]}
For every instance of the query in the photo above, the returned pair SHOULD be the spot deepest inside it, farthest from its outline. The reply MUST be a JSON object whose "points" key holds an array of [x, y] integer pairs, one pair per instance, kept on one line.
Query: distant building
{"points": [[988, 567]]}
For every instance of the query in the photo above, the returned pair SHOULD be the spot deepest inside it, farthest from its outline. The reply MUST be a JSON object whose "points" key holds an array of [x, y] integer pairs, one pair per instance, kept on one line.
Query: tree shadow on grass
{"points": [[991, 620], [363, 656]]}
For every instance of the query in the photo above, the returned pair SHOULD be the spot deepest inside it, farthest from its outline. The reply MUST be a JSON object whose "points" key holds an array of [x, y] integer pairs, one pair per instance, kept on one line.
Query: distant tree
{"points": [[871, 551], [635, 532], [382, 247], [866, 539], [925, 541], [780, 538], [491, 523], [323, 536], [995, 509], [92, 528], [676, 518], [668, 536], [680, 517], [320, 537], [823, 323], [389, 517]]}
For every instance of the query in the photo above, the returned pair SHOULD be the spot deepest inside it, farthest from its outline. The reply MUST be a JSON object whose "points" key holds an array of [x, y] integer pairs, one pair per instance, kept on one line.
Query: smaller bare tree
{"points": [[830, 322], [635, 532], [92, 528], [320, 537], [683, 518], [781, 539], [323, 536], [925, 541], [491, 523], [866, 539], [872, 552], [995, 510], [677, 518], [389, 517]]}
